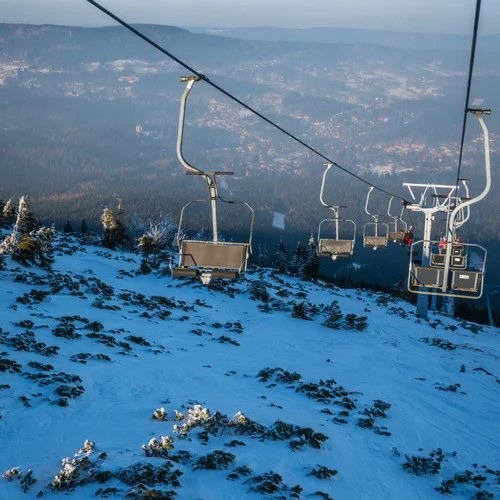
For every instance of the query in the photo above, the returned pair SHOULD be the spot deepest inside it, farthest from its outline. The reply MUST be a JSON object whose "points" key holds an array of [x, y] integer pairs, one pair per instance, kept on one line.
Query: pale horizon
{"points": [[415, 16]]}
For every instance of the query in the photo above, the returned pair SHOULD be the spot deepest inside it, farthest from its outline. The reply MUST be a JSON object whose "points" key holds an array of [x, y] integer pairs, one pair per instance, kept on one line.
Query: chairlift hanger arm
{"points": [[451, 223], [210, 173], [180, 135]]}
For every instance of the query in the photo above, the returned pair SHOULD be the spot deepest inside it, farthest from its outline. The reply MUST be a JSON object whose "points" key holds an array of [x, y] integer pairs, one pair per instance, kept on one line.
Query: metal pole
{"points": [[423, 300], [488, 305], [433, 302]]}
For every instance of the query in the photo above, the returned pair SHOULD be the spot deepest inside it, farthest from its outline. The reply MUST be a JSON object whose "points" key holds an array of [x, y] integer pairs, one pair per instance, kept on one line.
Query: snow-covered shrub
{"points": [[355, 322], [333, 317], [155, 239], [271, 483], [144, 477], [424, 465], [322, 472], [82, 469], [160, 414], [27, 244], [140, 492], [300, 311], [12, 474], [337, 321], [258, 291], [159, 448], [217, 460]]}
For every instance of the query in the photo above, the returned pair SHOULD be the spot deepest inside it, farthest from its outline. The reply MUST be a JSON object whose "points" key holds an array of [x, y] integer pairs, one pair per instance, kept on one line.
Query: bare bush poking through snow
{"points": [[27, 481], [424, 465]]}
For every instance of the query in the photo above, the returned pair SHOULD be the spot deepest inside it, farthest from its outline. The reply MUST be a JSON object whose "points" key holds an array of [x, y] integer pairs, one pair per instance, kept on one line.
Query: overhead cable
{"points": [[231, 96], [469, 83]]}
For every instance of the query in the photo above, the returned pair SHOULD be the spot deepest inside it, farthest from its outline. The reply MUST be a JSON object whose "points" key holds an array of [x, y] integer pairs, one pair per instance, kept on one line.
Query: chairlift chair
{"points": [[464, 281], [449, 270], [375, 240], [212, 258], [396, 235], [334, 247]]}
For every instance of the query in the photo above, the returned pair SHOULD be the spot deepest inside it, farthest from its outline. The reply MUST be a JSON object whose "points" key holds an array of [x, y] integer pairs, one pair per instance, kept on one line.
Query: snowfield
{"points": [[91, 350]]}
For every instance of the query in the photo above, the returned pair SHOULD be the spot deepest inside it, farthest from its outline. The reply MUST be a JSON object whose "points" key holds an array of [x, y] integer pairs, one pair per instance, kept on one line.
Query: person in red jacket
{"points": [[409, 237]]}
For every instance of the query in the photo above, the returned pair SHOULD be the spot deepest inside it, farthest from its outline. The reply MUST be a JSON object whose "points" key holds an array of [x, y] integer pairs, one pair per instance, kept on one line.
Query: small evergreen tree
{"points": [[108, 222], [334, 316], [312, 266], [27, 244], [68, 228], [281, 257], [262, 254], [36, 248], [300, 311], [119, 230], [25, 222], [297, 261], [9, 214], [84, 229], [119, 212]]}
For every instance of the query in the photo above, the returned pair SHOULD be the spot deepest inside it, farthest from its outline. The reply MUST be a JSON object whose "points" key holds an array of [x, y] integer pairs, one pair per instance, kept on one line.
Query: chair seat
{"points": [[397, 236], [214, 255], [375, 241], [423, 276], [340, 248]]}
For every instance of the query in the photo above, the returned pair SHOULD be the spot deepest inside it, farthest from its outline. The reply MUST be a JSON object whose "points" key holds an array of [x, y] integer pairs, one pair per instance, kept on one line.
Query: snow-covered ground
{"points": [[134, 344]]}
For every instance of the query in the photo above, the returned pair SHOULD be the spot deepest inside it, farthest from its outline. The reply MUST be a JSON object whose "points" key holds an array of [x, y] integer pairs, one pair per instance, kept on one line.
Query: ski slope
{"points": [[150, 342]]}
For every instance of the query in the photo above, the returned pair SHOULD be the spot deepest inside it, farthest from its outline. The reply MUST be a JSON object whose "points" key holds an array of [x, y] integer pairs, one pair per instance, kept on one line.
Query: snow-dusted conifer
{"points": [[23, 244], [107, 221], [25, 222], [281, 257], [311, 267], [113, 229], [9, 214], [297, 260], [262, 254], [334, 316]]}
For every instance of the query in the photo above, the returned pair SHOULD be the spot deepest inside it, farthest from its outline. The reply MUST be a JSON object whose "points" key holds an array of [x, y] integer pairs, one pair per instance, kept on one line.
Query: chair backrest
{"points": [[396, 236], [335, 246], [466, 280], [427, 277], [208, 254]]}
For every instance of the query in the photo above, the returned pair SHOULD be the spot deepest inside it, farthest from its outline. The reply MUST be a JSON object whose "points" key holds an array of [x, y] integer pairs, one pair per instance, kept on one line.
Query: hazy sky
{"points": [[447, 16]]}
